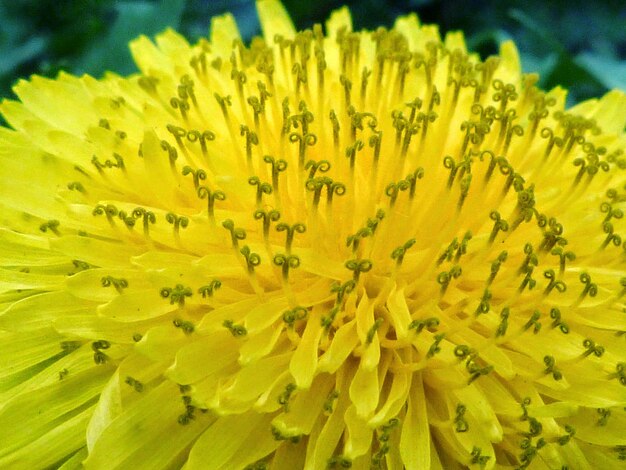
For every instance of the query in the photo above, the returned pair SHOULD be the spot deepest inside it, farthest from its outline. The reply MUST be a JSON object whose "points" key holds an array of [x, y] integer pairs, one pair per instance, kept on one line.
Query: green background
{"points": [[580, 45]]}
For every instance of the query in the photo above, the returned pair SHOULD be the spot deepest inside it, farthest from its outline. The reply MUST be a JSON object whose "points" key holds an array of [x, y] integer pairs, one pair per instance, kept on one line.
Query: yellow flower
{"points": [[317, 251]]}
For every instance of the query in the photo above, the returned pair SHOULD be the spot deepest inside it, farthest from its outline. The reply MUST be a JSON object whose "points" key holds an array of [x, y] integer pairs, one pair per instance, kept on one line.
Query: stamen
{"points": [[303, 141], [444, 278], [290, 317], [372, 331], [184, 325], [555, 314], [118, 163], [171, 152], [278, 166], [119, 283], [181, 105], [98, 356], [434, 348], [429, 324], [236, 234], [504, 322], [533, 322], [478, 458], [76, 186], [342, 290], [198, 175], [52, 225], [499, 225], [148, 218], [109, 210], [251, 139], [484, 306], [252, 259], [261, 188], [136, 384], [286, 262], [351, 151], [460, 423], [495, 266], [209, 289], [176, 294], [285, 396], [592, 348], [235, 330], [178, 221], [551, 368], [358, 266], [268, 217], [620, 373], [290, 230], [398, 253], [211, 196], [313, 167], [330, 401], [590, 289]]}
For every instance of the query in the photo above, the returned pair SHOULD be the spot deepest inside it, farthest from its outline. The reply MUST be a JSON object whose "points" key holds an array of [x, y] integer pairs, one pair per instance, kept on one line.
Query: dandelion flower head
{"points": [[322, 249]]}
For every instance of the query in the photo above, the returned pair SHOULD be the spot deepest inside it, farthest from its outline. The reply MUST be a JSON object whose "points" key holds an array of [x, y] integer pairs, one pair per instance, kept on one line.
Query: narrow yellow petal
{"points": [[274, 19], [415, 442], [50, 449], [304, 360], [225, 438], [223, 32], [340, 20], [148, 433]]}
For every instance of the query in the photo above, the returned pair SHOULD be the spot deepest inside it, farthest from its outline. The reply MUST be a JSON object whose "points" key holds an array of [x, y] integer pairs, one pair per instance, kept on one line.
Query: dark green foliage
{"points": [[579, 45]]}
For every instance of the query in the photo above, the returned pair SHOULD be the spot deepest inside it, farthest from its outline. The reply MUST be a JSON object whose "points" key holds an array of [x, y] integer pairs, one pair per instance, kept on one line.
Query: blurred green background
{"points": [[580, 45]]}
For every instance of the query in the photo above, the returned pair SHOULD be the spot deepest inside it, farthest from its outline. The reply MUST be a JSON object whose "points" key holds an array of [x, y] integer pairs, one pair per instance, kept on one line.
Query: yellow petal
{"points": [[400, 386], [223, 32], [344, 342], [340, 20], [304, 360], [609, 111], [415, 441], [232, 442], [51, 448], [274, 20], [148, 434], [203, 358], [304, 409], [42, 310], [359, 434], [364, 390], [41, 411]]}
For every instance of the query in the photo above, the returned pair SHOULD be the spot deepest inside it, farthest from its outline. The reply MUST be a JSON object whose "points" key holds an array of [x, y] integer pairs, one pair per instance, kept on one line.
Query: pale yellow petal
{"points": [[304, 360], [223, 32], [304, 410], [148, 434], [245, 437], [359, 436], [364, 390], [609, 112], [340, 20], [53, 447], [203, 358], [415, 441], [274, 19], [41, 411], [510, 69]]}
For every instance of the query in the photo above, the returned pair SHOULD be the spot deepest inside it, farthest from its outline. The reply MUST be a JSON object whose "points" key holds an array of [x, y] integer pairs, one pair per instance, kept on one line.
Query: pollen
{"points": [[321, 249]]}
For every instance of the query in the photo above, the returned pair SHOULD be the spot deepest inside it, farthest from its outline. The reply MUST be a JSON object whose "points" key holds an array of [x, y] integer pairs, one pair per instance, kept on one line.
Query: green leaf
{"points": [[607, 70], [133, 18], [14, 55]]}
